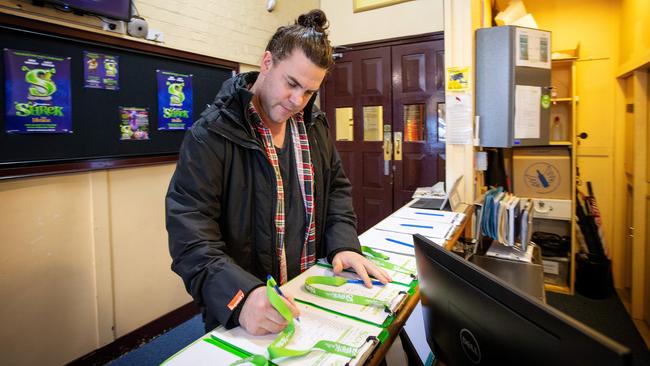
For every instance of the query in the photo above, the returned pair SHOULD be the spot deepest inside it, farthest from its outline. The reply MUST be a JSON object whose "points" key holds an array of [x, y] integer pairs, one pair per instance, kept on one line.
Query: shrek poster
{"points": [[134, 123], [174, 100], [101, 71], [37, 93]]}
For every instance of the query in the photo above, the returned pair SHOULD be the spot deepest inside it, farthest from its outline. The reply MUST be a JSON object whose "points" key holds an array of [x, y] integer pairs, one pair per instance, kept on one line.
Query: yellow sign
{"points": [[458, 78]]}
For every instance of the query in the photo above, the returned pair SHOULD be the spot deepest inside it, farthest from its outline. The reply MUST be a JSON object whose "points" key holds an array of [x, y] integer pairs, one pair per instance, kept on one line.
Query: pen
{"points": [[277, 289], [418, 226], [429, 214], [400, 242], [374, 282]]}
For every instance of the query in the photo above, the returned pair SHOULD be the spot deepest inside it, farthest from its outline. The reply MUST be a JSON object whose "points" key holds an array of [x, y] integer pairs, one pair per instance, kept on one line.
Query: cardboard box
{"points": [[556, 270], [542, 173]]}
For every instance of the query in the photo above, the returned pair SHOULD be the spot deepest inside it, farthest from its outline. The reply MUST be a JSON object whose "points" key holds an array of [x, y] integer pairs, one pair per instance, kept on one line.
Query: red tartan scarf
{"points": [[305, 171]]}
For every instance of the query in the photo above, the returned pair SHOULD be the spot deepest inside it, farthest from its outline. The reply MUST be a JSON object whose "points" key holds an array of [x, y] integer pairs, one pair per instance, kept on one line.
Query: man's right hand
{"points": [[259, 317]]}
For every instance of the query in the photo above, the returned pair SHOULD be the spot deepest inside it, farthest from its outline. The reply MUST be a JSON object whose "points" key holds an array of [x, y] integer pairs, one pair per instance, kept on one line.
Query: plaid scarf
{"points": [[305, 175]]}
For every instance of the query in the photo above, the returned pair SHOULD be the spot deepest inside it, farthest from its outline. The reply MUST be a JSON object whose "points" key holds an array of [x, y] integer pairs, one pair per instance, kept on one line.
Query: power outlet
{"points": [[155, 35], [116, 26]]}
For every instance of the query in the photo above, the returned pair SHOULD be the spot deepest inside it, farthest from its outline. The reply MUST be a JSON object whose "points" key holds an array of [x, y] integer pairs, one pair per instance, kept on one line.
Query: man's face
{"points": [[287, 85]]}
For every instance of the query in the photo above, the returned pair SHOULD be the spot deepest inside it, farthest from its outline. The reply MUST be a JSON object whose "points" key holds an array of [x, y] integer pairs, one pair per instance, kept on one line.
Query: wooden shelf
{"points": [[557, 288], [560, 143]]}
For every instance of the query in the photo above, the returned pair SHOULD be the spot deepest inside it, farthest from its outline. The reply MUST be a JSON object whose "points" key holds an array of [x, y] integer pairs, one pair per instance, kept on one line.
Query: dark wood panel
{"points": [[373, 170], [372, 78], [343, 79], [413, 73]]}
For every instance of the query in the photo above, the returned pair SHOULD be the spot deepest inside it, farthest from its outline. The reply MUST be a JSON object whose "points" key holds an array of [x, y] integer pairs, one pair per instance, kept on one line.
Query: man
{"points": [[259, 188]]}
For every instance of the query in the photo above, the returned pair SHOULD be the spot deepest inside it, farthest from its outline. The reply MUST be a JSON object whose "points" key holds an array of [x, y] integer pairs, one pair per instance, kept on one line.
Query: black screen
{"points": [[473, 318], [117, 9]]}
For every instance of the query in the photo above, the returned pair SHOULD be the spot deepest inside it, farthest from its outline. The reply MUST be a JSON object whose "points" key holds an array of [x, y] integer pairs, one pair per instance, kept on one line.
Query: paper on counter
{"points": [[426, 215], [372, 313], [314, 325], [406, 226]]}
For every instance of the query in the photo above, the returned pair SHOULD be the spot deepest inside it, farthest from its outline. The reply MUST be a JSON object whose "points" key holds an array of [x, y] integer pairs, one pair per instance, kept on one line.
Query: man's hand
{"points": [[361, 265], [259, 317]]}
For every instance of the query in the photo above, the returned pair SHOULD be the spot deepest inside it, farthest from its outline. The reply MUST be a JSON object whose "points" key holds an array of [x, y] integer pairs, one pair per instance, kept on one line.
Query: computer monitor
{"points": [[474, 318]]}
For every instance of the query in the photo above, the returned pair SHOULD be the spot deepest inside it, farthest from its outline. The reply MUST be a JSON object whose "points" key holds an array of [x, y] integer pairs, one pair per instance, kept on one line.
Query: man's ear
{"points": [[267, 61]]}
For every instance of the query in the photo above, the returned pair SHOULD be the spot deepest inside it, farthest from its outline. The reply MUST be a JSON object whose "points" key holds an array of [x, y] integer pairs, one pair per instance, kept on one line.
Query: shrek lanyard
{"points": [[340, 296], [381, 260], [278, 349]]}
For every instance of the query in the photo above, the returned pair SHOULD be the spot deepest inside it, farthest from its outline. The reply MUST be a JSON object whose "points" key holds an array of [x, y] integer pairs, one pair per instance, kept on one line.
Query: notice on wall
{"points": [[174, 100], [458, 111], [527, 111], [134, 123], [533, 48], [101, 71], [458, 79], [37, 93]]}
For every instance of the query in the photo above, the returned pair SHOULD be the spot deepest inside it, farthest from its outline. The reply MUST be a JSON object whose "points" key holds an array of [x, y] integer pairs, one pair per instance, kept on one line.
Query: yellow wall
{"points": [[634, 35], [408, 18], [595, 25], [83, 253]]}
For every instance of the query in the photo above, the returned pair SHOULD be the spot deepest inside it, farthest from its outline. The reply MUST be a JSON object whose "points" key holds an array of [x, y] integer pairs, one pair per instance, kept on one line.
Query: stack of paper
{"points": [[438, 230], [395, 294], [315, 325]]}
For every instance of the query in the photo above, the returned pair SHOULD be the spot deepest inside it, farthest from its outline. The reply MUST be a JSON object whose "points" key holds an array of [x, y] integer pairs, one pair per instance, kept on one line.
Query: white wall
{"points": [[403, 19]]}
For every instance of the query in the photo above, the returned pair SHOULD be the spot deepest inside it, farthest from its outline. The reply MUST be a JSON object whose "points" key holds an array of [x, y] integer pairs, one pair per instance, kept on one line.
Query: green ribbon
{"points": [[340, 296], [277, 348], [381, 260]]}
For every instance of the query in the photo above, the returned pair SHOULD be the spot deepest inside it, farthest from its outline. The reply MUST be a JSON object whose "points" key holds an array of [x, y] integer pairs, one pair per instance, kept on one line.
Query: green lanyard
{"points": [[381, 260], [278, 349], [340, 296]]}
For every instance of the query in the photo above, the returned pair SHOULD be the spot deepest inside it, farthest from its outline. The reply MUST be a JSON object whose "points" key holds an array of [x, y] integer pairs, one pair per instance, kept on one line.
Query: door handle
{"points": [[398, 146], [388, 151]]}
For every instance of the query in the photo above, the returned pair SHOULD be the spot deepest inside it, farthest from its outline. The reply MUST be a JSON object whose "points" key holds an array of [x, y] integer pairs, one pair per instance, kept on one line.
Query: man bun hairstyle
{"points": [[309, 34]]}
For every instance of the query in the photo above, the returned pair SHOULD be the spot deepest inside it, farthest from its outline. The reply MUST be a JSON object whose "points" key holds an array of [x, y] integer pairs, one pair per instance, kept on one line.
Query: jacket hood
{"points": [[226, 114]]}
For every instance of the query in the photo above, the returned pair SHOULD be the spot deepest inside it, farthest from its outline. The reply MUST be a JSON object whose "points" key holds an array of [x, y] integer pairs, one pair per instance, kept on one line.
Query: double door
{"points": [[385, 106]]}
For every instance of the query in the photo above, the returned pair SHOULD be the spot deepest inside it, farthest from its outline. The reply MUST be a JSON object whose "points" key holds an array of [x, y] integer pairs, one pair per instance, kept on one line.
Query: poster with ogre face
{"points": [[174, 100], [101, 71], [37, 89]]}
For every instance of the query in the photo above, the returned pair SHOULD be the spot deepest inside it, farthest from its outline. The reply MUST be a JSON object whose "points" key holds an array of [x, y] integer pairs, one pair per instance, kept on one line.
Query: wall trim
{"points": [[136, 338], [433, 36]]}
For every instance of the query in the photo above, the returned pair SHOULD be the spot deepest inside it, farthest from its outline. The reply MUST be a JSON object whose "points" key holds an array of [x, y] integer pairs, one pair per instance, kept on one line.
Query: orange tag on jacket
{"points": [[236, 300]]}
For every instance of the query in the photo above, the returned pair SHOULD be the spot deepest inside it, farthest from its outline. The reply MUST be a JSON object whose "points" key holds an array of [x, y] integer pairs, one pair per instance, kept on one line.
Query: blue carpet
{"points": [[164, 346]]}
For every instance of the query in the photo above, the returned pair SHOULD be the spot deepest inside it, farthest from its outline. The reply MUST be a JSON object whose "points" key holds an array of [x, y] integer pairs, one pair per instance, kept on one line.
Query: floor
{"points": [[641, 325]]}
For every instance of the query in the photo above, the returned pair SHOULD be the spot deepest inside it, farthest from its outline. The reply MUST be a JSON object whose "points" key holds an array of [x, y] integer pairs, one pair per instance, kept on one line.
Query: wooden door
{"points": [[373, 95], [357, 101], [418, 96]]}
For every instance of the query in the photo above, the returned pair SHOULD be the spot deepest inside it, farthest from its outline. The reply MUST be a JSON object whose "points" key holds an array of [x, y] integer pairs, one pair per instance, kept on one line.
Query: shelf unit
{"points": [[564, 102]]}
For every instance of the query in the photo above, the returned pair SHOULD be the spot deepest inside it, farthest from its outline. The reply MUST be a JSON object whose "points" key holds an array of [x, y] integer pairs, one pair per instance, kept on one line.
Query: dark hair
{"points": [[309, 34]]}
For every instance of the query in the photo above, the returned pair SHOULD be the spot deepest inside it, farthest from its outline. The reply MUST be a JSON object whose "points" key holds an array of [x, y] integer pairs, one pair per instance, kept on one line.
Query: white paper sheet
{"points": [[201, 353], [458, 114], [527, 111], [405, 226], [424, 215], [314, 325]]}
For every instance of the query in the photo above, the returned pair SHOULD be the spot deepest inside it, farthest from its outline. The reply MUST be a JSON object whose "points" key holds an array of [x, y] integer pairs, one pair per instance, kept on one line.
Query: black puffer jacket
{"points": [[221, 204]]}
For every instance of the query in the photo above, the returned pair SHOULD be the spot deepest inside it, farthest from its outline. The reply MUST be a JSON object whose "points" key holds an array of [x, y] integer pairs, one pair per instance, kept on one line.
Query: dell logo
{"points": [[470, 346]]}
